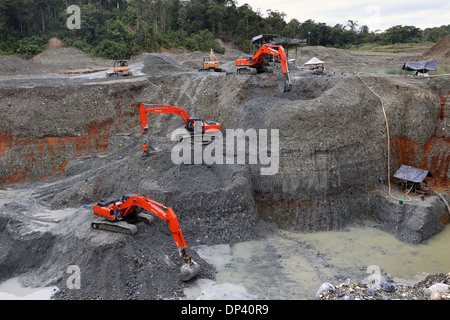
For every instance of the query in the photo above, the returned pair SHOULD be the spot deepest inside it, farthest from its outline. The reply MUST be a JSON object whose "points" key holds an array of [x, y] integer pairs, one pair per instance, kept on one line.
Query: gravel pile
{"points": [[433, 287]]}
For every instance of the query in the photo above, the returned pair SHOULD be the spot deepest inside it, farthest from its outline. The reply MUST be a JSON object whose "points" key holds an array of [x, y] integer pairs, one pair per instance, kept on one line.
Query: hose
{"points": [[445, 201], [388, 142]]}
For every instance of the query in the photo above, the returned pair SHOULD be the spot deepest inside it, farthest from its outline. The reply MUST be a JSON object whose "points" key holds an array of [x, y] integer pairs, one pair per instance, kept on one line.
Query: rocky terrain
{"points": [[433, 287], [68, 141]]}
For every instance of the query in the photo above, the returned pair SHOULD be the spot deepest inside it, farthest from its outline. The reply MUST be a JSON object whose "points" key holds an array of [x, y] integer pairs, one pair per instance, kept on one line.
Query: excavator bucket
{"points": [[287, 83], [189, 270]]}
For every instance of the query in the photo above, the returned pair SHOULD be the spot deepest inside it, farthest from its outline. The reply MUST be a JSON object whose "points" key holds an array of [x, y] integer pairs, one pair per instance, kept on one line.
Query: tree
{"points": [[292, 29], [118, 28], [274, 23], [352, 24], [402, 34]]}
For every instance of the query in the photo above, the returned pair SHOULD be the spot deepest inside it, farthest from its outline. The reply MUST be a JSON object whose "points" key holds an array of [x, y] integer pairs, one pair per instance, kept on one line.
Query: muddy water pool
{"points": [[12, 289], [293, 265]]}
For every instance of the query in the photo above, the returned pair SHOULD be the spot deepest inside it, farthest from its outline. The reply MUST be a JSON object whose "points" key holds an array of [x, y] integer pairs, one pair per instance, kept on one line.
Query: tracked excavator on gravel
{"points": [[210, 64], [208, 127], [120, 214], [260, 62]]}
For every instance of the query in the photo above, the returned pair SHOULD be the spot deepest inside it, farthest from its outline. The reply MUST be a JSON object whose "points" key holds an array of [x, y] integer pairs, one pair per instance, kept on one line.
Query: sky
{"points": [[377, 15]]}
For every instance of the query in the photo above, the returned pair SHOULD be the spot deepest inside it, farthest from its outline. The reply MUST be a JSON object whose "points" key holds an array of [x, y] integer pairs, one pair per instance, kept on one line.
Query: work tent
{"points": [[420, 66], [411, 174], [314, 61]]}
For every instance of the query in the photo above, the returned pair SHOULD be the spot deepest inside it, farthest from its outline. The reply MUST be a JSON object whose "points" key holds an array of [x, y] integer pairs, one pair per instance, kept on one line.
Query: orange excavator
{"points": [[120, 214], [121, 68], [211, 64], [260, 62], [208, 127]]}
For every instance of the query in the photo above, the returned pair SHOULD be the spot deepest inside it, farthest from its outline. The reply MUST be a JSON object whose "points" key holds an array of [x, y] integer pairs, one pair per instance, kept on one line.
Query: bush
{"points": [[31, 46], [112, 50], [81, 45]]}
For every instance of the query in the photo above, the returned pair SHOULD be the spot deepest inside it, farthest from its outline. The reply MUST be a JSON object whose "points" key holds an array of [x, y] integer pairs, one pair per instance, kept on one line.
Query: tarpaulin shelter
{"points": [[411, 174], [413, 177], [420, 66], [314, 62]]}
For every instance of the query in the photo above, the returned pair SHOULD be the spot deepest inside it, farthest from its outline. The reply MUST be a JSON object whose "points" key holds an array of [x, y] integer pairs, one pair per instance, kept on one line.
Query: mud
{"points": [[67, 142]]}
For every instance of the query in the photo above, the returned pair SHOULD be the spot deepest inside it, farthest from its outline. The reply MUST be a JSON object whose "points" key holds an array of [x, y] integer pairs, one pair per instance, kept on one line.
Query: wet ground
{"points": [[294, 265]]}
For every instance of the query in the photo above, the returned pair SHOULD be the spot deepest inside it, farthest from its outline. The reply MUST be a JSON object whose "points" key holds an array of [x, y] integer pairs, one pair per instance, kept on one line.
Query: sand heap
{"points": [[440, 51]]}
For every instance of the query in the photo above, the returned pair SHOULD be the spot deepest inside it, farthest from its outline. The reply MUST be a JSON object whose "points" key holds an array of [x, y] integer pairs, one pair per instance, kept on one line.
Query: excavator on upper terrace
{"points": [[211, 64], [260, 62], [120, 213], [208, 127], [121, 68]]}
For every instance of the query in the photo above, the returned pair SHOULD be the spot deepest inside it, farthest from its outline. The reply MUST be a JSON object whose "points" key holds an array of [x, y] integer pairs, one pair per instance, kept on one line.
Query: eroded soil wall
{"points": [[332, 133]]}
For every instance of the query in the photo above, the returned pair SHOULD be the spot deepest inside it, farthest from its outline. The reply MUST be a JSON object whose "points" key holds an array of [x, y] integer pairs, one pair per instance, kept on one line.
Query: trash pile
{"points": [[433, 287]]}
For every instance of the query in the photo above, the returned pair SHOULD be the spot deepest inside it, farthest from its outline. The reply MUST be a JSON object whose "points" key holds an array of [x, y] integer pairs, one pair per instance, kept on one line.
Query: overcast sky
{"points": [[380, 14]]}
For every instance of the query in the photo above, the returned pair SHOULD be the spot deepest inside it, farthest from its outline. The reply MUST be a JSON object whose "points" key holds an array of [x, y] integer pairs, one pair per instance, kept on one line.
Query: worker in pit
{"points": [[145, 149]]}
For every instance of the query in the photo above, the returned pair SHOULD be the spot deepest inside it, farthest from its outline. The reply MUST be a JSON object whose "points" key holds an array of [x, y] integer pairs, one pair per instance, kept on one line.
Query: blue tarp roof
{"points": [[411, 174], [422, 66]]}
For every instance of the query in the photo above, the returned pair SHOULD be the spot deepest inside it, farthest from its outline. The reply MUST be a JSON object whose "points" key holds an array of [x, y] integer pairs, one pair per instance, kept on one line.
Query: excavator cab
{"points": [[190, 124]]}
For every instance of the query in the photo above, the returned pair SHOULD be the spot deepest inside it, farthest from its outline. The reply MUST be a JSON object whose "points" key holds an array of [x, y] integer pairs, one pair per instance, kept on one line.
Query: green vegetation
{"points": [[119, 28]]}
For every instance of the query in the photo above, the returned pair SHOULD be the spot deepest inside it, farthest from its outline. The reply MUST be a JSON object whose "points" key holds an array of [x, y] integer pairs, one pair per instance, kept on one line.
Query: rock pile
{"points": [[433, 287]]}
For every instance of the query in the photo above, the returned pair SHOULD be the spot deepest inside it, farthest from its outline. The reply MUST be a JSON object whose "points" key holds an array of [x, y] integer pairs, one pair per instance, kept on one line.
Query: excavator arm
{"points": [[157, 209], [257, 61], [125, 207], [159, 108], [208, 126]]}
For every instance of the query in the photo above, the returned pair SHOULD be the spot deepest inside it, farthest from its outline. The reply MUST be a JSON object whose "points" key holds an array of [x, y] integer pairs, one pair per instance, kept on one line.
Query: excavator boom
{"points": [[207, 126], [159, 108], [121, 209]]}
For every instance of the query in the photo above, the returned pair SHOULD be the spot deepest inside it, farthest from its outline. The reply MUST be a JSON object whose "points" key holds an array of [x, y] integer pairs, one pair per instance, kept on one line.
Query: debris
{"points": [[433, 287]]}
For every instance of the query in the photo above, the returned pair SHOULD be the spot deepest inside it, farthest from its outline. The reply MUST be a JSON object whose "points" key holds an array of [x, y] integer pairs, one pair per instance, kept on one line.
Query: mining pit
{"points": [[68, 141]]}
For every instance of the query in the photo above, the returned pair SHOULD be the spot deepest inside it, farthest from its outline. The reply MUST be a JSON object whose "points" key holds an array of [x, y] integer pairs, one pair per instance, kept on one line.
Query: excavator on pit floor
{"points": [[208, 127], [211, 64], [121, 214], [260, 62]]}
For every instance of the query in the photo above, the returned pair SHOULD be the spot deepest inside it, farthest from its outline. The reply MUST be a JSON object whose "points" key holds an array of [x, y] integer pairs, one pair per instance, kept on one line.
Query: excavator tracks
{"points": [[122, 226], [116, 226]]}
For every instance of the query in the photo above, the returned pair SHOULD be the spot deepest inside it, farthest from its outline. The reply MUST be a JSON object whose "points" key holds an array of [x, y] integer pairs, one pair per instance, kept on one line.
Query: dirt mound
{"points": [[234, 54], [54, 42], [340, 59], [13, 65], [159, 63], [63, 59], [440, 51]]}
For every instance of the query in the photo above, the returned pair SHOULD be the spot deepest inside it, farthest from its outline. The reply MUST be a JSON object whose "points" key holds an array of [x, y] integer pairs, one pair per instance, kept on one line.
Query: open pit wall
{"points": [[43, 127], [333, 139]]}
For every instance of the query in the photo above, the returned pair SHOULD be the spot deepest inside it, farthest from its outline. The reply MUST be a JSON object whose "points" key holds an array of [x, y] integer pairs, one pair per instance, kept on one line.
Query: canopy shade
{"points": [[314, 61], [422, 66]]}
